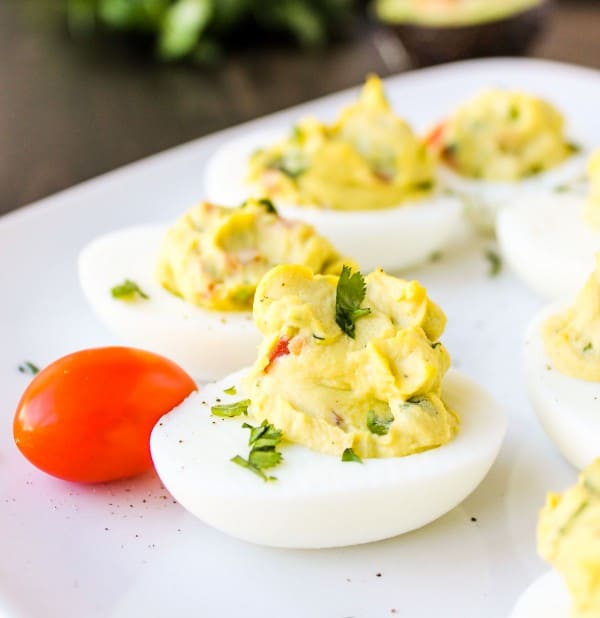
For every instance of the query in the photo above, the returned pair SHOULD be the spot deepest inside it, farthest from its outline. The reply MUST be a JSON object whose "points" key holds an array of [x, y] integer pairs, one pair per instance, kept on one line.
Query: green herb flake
{"points": [[229, 410], [232, 390], [350, 293], [128, 290], [265, 202], [263, 454], [495, 262], [29, 367], [240, 461], [588, 347], [436, 344], [379, 425], [573, 147], [318, 337], [436, 256], [350, 455]]}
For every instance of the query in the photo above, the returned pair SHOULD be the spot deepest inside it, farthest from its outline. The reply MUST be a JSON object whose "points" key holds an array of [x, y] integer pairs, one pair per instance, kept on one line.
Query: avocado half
{"points": [[509, 35]]}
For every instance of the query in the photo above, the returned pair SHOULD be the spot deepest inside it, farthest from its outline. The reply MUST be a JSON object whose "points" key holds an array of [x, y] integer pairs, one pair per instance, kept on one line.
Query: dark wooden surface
{"points": [[72, 110]]}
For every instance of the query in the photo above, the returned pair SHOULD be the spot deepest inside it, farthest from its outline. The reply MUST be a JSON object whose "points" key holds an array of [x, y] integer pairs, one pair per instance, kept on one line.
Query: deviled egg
{"points": [[568, 538], [348, 428], [549, 238], [366, 182], [186, 292], [562, 365], [499, 145]]}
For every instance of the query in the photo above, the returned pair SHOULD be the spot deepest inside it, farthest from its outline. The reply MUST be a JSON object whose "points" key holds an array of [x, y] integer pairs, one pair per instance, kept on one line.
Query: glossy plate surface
{"points": [[127, 550]]}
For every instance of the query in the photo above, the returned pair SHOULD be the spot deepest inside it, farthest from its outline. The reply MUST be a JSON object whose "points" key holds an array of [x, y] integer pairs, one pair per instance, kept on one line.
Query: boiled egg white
{"points": [[547, 242], [207, 344], [485, 199], [317, 500], [566, 407], [546, 597], [390, 238]]}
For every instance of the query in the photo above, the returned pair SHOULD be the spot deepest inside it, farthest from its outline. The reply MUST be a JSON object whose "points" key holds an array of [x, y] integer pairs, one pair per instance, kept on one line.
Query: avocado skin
{"points": [[510, 36]]}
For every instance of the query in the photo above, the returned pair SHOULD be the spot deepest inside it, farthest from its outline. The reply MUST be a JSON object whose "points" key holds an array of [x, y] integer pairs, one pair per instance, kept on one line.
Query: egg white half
{"points": [[390, 238], [568, 408], [546, 597], [484, 199], [207, 344], [318, 500], [547, 243]]}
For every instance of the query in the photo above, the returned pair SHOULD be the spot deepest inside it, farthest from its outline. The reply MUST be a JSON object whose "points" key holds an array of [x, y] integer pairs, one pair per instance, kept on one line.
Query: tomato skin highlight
{"points": [[87, 417]]}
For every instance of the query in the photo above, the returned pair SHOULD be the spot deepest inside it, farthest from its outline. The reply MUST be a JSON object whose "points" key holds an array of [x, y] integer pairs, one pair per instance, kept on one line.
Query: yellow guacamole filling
{"points": [[440, 13], [504, 135], [592, 207], [214, 257], [572, 338], [368, 159], [569, 538], [377, 393]]}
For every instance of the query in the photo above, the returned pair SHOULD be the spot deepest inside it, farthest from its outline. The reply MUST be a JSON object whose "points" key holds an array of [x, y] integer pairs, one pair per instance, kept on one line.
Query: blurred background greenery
{"points": [[200, 29]]}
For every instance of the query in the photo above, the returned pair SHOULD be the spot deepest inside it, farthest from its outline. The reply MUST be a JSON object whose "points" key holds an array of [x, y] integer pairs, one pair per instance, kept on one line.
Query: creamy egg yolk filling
{"points": [[592, 207], [214, 257], [569, 538], [377, 393], [502, 135], [572, 338], [368, 159]]}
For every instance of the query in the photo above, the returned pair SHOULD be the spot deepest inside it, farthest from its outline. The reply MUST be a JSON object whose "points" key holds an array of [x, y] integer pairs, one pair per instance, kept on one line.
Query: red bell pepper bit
{"points": [[280, 349]]}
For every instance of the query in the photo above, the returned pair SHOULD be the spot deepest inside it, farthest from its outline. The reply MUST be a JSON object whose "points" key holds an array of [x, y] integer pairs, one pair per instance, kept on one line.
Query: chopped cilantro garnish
{"points": [[588, 347], [263, 454], [495, 262], [293, 164], [436, 344], [29, 367], [379, 425], [128, 290], [266, 203], [436, 256], [573, 147], [232, 390], [350, 293], [229, 410], [318, 337], [240, 461], [350, 455]]}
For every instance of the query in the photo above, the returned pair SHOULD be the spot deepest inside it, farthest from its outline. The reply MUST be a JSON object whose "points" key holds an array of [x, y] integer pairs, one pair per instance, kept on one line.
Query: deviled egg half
{"points": [[366, 182], [186, 292], [549, 238], [569, 538], [500, 145], [348, 428], [562, 366]]}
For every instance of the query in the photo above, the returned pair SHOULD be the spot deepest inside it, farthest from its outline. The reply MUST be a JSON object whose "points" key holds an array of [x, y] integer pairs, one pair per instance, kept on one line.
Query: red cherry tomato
{"points": [[87, 417]]}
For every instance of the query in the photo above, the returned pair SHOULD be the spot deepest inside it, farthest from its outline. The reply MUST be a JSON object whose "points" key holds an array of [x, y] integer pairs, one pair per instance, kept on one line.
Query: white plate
{"points": [[126, 550]]}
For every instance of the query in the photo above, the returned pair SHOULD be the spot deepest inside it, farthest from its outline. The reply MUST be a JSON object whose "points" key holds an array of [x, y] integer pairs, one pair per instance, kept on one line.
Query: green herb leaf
{"points": [[232, 390], [379, 425], [229, 410], [263, 454], [588, 347], [29, 367], [263, 436], [240, 461], [495, 262], [350, 455], [264, 458], [318, 338], [128, 290], [266, 203], [293, 164], [350, 293]]}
